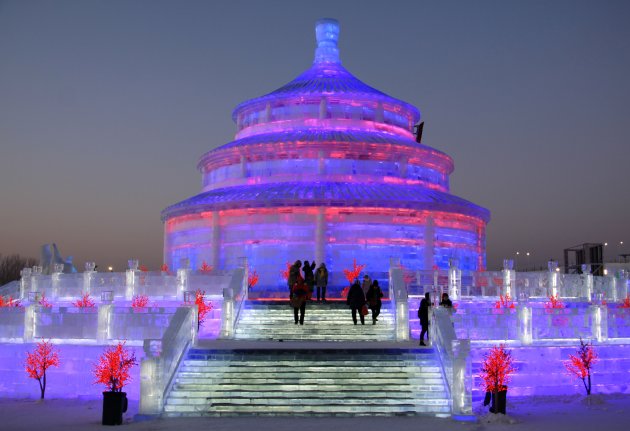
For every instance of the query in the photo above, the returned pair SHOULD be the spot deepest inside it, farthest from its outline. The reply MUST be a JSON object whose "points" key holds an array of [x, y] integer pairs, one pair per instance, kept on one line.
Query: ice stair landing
{"points": [[352, 382], [331, 321]]}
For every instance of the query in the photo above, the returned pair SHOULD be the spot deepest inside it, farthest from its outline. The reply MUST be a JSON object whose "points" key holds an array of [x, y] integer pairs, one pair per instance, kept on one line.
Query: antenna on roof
{"points": [[419, 128]]}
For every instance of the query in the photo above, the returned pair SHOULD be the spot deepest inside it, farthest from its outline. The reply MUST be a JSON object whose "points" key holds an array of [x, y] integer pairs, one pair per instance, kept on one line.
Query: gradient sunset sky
{"points": [[105, 107]]}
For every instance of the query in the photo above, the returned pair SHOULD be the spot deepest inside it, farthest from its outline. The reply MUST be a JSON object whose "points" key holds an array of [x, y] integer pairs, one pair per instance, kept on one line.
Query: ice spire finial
{"points": [[327, 33]]}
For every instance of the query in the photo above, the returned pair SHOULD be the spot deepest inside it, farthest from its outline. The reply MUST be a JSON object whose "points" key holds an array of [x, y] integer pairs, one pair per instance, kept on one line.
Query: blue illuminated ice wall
{"points": [[325, 168]]}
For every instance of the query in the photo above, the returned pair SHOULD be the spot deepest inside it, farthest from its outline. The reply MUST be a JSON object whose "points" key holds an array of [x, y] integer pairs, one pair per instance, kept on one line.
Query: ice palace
{"points": [[325, 168]]}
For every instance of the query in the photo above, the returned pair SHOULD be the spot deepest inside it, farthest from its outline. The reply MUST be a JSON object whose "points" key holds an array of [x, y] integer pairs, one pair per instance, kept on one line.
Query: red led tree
{"points": [[496, 368], [554, 302], [205, 267], [203, 307], [112, 369], [37, 362], [164, 268], [44, 302], [354, 273], [626, 302], [84, 302], [504, 302], [139, 301], [252, 279], [10, 302], [285, 272], [580, 366]]}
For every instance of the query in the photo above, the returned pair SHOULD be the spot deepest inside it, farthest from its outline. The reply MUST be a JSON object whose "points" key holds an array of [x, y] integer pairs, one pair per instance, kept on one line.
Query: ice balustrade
{"points": [[163, 356], [454, 356], [233, 298], [399, 299]]}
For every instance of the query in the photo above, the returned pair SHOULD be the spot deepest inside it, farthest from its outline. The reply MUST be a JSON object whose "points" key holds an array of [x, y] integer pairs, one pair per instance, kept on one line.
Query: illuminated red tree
{"points": [[496, 368], [285, 272], [554, 302], [580, 366], [354, 273], [44, 302], [252, 278], [143, 268], [203, 307], [10, 302], [39, 361], [113, 367], [504, 302], [139, 301], [626, 302], [85, 302], [205, 267], [164, 268]]}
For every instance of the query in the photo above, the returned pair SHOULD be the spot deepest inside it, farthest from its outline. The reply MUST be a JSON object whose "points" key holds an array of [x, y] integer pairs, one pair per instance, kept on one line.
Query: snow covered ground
{"points": [[604, 412]]}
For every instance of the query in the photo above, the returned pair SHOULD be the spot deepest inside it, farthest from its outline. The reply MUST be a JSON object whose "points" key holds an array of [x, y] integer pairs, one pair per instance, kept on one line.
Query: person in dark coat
{"points": [[299, 295], [356, 301], [321, 281], [374, 295], [423, 315], [446, 302], [309, 278], [294, 273]]}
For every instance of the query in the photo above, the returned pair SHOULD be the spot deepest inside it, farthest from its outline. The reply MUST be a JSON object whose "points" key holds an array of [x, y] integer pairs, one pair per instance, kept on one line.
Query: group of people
{"points": [[302, 282], [301, 287], [423, 313]]}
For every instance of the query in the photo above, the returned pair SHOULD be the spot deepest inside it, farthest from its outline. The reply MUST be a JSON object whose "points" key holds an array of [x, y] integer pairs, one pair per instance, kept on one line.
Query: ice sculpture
{"points": [[51, 259], [325, 168]]}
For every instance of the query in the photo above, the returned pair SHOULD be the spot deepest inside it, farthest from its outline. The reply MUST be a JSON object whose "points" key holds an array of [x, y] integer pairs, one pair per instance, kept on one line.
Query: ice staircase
{"points": [[331, 321], [308, 382]]}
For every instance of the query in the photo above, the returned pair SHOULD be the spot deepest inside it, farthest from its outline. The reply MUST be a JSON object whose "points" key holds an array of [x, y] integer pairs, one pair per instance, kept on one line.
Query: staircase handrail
{"points": [[453, 355], [399, 299], [163, 357]]}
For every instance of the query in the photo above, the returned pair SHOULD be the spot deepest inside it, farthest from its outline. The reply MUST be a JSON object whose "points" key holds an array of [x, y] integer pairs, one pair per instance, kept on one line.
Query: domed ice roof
{"points": [[327, 77], [326, 194]]}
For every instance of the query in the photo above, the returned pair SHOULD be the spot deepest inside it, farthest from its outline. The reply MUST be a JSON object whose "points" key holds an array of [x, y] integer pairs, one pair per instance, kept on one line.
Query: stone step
{"points": [[276, 401], [291, 388], [283, 380], [188, 394], [296, 410]]}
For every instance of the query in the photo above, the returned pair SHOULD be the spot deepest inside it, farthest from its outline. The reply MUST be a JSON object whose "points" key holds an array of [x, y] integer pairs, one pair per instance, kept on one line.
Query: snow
{"points": [[572, 413]]}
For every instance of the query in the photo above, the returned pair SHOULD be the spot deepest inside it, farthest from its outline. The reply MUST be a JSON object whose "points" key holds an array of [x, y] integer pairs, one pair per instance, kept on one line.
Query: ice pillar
{"points": [[56, 280], [103, 332], [599, 322], [454, 280], [131, 278], [509, 278], [587, 283], [320, 236], [88, 277], [461, 391], [25, 282], [525, 324], [216, 239], [552, 265], [227, 316], [429, 235], [182, 277]]}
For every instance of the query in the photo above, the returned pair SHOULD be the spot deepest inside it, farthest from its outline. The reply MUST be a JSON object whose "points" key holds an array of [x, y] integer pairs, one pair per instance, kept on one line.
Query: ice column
{"points": [[216, 239], [88, 277], [552, 265], [227, 315], [587, 283], [30, 321], [429, 234], [25, 282], [461, 391], [320, 236], [103, 332], [454, 280], [509, 278], [130, 279], [36, 278], [327, 35], [56, 279], [183, 274], [525, 323], [599, 322]]}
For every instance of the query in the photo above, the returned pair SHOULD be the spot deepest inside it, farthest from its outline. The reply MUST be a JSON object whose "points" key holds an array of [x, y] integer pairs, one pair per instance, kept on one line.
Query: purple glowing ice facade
{"points": [[325, 168]]}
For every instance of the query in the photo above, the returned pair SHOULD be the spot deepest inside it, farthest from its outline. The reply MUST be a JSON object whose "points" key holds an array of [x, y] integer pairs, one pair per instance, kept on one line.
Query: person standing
{"points": [[423, 315], [366, 284], [309, 278], [356, 301], [321, 280], [299, 294], [294, 273], [446, 302], [374, 295]]}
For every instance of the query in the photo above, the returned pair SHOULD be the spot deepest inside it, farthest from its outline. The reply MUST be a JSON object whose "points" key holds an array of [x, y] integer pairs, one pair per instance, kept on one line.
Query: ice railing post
{"points": [[524, 320], [162, 359], [587, 283], [25, 282], [183, 275], [88, 277], [461, 391], [454, 280], [56, 279], [130, 279], [399, 299], [599, 322], [227, 316], [509, 278], [552, 275]]}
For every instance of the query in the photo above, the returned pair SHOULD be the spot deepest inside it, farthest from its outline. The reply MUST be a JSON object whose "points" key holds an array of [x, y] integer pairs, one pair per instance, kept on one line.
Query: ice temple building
{"points": [[325, 168]]}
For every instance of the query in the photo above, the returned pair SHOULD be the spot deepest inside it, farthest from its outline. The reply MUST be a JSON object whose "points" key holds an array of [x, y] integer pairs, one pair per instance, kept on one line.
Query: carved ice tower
{"points": [[325, 168]]}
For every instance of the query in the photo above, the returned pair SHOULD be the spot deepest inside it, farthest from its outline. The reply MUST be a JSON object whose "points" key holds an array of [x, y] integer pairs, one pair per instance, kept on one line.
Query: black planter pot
{"points": [[499, 401], [114, 405]]}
